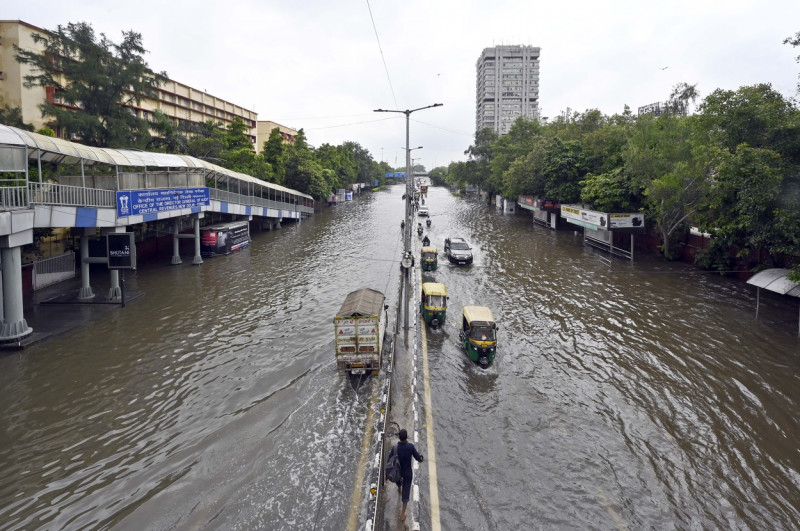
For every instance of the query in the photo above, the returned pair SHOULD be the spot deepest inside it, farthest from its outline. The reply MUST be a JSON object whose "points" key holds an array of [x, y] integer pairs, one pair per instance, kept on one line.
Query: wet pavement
{"points": [[56, 309]]}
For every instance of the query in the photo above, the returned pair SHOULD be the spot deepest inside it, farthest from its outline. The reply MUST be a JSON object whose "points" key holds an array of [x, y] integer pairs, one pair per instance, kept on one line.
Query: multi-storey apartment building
{"points": [[178, 101], [264, 129], [507, 86]]}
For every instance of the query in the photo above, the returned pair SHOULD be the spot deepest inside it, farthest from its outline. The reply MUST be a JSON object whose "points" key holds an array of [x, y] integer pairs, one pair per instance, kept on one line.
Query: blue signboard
{"points": [[136, 202], [396, 174]]}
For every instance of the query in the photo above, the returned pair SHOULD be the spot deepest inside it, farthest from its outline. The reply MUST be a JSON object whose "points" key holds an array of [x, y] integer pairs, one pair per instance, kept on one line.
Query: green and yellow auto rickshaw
{"points": [[429, 258], [433, 305], [479, 334]]}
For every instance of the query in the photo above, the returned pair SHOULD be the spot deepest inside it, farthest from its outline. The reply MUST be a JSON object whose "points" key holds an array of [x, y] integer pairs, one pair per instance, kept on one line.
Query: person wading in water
{"points": [[405, 451]]}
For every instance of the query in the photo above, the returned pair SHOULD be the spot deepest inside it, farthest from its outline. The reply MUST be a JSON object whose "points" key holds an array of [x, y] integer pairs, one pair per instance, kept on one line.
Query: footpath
{"points": [[56, 309]]}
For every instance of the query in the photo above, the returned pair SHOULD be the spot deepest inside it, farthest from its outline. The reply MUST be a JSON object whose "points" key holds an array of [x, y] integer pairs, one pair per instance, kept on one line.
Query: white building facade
{"points": [[507, 86]]}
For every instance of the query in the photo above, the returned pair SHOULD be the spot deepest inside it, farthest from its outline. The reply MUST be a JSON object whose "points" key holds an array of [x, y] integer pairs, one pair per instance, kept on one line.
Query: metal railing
{"points": [[66, 195], [55, 269], [13, 197], [231, 197]]}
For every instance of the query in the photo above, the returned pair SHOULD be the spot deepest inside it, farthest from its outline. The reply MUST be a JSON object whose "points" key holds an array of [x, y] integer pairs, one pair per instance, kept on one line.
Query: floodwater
{"points": [[627, 396]]}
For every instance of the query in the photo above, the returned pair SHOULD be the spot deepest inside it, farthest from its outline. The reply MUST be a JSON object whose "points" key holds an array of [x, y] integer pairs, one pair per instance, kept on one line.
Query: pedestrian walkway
{"points": [[56, 309]]}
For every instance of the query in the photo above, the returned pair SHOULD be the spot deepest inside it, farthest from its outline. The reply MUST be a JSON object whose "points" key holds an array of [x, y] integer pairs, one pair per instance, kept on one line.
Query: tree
{"points": [[438, 176], [476, 171], [681, 96], [363, 160], [208, 142], [303, 172], [672, 200], [12, 116], [608, 192], [757, 115], [741, 208], [171, 138], [98, 82], [274, 153], [563, 170], [794, 41]]}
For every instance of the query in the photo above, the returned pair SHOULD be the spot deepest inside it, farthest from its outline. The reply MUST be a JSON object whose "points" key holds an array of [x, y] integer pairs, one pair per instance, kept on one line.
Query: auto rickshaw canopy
{"points": [[434, 288], [478, 314]]}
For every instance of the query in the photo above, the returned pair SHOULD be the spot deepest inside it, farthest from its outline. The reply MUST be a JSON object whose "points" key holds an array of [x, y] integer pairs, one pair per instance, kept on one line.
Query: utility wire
{"points": [[386, 68], [444, 128], [352, 123]]}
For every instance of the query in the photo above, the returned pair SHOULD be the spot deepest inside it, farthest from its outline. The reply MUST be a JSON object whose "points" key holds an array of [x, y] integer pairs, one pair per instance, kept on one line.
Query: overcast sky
{"points": [[319, 65]]}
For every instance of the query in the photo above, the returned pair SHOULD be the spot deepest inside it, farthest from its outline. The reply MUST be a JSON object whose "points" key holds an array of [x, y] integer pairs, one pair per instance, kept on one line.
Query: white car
{"points": [[423, 211]]}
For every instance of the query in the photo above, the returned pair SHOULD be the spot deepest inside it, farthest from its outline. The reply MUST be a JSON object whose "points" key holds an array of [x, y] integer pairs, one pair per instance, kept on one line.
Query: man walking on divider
{"points": [[405, 451]]}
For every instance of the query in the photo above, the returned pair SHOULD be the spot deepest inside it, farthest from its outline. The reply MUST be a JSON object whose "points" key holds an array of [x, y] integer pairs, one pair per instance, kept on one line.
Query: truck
{"points": [[360, 325]]}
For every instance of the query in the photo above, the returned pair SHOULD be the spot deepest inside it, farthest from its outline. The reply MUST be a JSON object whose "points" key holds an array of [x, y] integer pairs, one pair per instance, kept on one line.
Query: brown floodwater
{"points": [[628, 396]]}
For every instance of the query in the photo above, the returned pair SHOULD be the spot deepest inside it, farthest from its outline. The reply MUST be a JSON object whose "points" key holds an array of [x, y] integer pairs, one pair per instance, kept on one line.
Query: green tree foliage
{"points": [[794, 40], [363, 159], [12, 116], [303, 172], [742, 210], [477, 170], [753, 162], [672, 200], [733, 168], [98, 81], [208, 142], [563, 170], [438, 176], [608, 192], [275, 154], [169, 137]]}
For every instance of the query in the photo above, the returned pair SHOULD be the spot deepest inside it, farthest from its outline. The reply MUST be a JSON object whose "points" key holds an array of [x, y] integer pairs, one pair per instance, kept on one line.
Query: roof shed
{"points": [[362, 302], [776, 281]]}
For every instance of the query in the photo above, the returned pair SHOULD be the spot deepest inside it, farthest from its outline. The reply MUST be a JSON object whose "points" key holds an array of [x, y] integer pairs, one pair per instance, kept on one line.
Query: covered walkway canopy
{"points": [[775, 280], [60, 151]]}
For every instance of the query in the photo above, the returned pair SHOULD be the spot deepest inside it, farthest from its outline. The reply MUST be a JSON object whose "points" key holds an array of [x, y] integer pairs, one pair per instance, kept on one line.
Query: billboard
{"points": [[121, 250], [584, 217], [626, 221], [136, 202]]}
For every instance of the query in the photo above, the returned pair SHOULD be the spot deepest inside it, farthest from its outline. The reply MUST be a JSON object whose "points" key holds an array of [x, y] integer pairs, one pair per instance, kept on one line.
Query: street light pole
{"points": [[409, 193]]}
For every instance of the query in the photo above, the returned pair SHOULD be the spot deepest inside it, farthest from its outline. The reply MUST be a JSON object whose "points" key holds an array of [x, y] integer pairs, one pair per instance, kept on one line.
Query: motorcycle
{"points": [[428, 222], [419, 229]]}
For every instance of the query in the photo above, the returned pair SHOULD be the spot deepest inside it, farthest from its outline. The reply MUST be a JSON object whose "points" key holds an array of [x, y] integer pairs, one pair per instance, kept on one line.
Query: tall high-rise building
{"points": [[507, 87]]}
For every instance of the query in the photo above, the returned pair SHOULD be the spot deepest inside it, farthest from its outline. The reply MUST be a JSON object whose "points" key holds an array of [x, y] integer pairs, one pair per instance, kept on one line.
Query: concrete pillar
{"points": [[14, 326], [115, 291], [197, 260], [176, 255], [86, 292]]}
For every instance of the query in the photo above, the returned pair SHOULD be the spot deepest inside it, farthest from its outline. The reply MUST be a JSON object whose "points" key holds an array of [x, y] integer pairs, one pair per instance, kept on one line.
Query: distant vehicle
{"points": [[458, 251], [479, 334], [423, 189], [359, 326], [423, 211], [224, 238]]}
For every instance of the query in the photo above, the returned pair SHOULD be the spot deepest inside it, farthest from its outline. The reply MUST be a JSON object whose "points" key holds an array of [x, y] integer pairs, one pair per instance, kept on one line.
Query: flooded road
{"points": [[636, 395]]}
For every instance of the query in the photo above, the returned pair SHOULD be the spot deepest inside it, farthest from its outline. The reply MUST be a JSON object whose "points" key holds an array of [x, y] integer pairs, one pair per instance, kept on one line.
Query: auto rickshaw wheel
{"points": [[484, 361]]}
